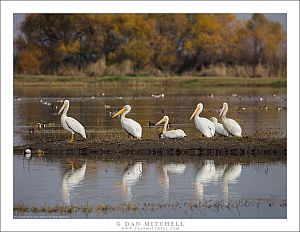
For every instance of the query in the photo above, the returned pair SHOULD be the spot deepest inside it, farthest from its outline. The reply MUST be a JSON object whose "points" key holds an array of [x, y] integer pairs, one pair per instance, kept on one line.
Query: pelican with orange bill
{"points": [[205, 126], [132, 127], [70, 124], [171, 134], [230, 125]]}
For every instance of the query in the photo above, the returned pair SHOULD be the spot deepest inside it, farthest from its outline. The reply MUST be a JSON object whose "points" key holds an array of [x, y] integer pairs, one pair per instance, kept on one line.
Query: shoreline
{"points": [[235, 149], [177, 81], [122, 208]]}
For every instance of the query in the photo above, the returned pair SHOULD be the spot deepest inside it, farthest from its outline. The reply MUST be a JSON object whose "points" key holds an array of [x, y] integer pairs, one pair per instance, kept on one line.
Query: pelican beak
{"points": [[120, 112], [61, 109], [197, 108], [221, 111], [161, 121]]}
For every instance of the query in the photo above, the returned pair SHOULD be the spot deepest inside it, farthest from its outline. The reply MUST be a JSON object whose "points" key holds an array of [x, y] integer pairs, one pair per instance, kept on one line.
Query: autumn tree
{"points": [[262, 42], [170, 43]]}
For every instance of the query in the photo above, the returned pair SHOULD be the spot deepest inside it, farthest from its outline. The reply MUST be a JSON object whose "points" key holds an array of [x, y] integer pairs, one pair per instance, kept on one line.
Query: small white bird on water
{"points": [[205, 126], [219, 127], [132, 127], [171, 134], [70, 124], [230, 125], [27, 152]]}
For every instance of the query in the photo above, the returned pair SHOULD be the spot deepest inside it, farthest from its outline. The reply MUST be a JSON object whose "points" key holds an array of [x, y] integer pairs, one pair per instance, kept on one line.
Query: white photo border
{"points": [[8, 8]]}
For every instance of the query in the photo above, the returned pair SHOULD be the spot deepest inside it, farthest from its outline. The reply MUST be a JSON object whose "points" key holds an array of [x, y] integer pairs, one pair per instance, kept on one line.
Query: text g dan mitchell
{"points": [[147, 224]]}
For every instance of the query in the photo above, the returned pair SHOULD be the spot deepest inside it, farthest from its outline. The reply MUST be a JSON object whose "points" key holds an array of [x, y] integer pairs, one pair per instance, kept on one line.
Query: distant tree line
{"points": [[154, 44]]}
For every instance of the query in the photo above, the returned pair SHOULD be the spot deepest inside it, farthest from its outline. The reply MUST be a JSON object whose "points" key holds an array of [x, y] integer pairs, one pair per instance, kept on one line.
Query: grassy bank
{"points": [[214, 205], [186, 81]]}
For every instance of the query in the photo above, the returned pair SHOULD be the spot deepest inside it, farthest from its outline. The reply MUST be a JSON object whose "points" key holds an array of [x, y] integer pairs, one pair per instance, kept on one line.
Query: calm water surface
{"points": [[42, 181]]}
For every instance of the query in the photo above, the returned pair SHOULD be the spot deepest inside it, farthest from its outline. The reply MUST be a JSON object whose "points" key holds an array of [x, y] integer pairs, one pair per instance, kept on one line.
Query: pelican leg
{"points": [[72, 139], [133, 138]]}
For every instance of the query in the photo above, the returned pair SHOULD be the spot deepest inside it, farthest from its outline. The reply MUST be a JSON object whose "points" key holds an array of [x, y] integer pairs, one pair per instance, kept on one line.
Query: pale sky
{"points": [[279, 17]]}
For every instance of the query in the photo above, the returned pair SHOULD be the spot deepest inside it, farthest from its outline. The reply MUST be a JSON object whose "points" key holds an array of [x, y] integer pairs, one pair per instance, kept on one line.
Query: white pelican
{"points": [[172, 134], [205, 175], [130, 177], [132, 127], [231, 174], [219, 127], [230, 125], [205, 126], [70, 124], [72, 179]]}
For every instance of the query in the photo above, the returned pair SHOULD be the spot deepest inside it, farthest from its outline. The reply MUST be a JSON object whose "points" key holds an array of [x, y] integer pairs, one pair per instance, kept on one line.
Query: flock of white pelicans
{"points": [[228, 127]]}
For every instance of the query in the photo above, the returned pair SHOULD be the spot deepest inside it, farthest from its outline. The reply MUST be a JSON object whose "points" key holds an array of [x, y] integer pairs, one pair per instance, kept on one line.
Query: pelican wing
{"points": [[75, 126], [205, 126], [172, 134], [132, 127], [220, 129], [232, 127], [212, 128]]}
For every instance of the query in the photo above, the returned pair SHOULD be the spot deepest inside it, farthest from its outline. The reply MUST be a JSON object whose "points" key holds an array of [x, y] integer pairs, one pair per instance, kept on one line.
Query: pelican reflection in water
{"points": [[130, 177], [71, 179], [171, 169], [231, 175], [206, 174]]}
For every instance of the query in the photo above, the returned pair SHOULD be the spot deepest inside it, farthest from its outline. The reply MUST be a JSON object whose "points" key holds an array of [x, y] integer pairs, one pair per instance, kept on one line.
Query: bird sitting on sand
{"points": [[219, 127], [172, 134], [158, 95]]}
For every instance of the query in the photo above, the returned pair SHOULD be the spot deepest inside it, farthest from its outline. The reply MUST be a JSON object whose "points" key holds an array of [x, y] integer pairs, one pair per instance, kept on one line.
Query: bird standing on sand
{"points": [[132, 127], [219, 127], [70, 124], [171, 134], [230, 125], [206, 127]]}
